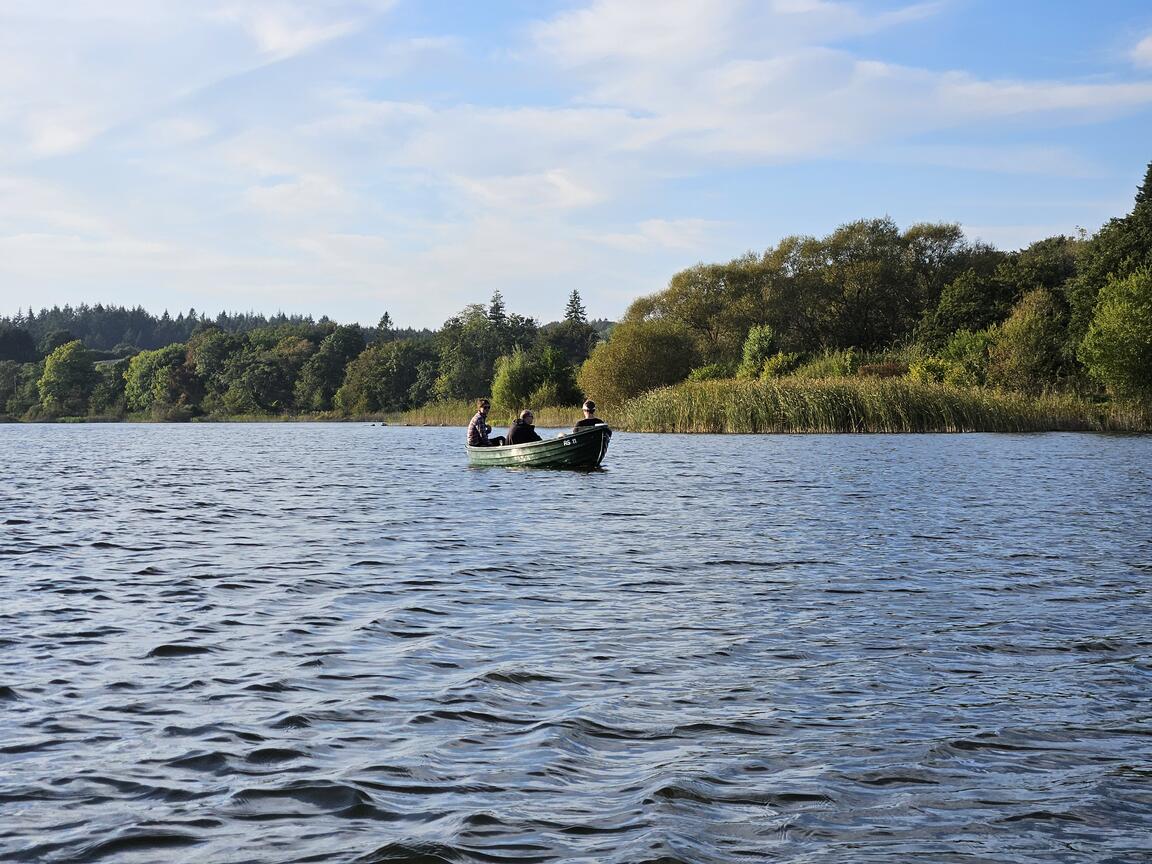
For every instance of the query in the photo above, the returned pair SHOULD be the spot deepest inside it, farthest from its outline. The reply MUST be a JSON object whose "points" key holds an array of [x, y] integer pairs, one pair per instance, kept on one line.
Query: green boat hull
{"points": [[580, 451]]}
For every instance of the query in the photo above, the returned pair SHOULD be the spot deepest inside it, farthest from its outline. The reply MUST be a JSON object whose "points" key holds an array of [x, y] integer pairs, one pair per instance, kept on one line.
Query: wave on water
{"points": [[293, 645]]}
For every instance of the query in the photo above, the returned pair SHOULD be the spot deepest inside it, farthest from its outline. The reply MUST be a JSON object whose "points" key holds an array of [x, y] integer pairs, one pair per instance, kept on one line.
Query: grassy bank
{"points": [[861, 405], [782, 405]]}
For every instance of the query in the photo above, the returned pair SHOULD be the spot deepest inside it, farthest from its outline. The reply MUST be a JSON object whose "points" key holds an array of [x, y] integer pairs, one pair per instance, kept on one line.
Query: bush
{"points": [[1118, 346], [968, 352], [1024, 354], [779, 364], [759, 345], [712, 372], [517, 376], [930, 370], [830, 364]]}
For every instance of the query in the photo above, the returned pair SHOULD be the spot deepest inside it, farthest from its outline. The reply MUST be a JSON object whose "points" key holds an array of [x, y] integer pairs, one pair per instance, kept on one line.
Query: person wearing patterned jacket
{"points": [[479, 430]]}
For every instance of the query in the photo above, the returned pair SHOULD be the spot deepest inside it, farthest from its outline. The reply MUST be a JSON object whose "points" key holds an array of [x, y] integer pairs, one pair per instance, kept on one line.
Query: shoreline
{"points": [[779, 406]]}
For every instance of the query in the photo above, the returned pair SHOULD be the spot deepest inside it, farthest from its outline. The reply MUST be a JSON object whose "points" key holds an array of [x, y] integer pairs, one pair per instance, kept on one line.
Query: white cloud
{"points": [[247, 148], [556, 189], [71, 71], [1142, 53], [284, 29], [762, 83], [307, 196], [1009, 159], [680, 234]]}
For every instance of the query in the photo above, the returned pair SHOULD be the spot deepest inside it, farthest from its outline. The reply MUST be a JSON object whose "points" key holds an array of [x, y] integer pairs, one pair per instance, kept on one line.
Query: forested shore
{"points": [[871, 328]]}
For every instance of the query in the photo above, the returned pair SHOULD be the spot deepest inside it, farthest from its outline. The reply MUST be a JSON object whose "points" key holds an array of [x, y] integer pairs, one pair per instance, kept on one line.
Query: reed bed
{"points": [[787, 405]]}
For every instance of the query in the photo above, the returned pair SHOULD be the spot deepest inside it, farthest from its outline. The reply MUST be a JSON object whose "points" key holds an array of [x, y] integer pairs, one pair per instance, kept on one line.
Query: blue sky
{"points": [[351, 157]]}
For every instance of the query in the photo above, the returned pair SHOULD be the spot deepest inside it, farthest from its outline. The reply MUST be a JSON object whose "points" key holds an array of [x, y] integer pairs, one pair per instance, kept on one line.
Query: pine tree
{"points": [[1120, 248], [575, 311], [497, 314]]}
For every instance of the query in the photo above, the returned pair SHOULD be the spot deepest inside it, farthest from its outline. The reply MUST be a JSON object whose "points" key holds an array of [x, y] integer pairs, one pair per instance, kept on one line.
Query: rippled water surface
{"points": [[287, 643]]}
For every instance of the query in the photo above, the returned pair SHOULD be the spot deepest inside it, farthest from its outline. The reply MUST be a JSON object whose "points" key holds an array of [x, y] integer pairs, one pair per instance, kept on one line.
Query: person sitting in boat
{"points": [[479, 430], [590, 418], [522, 431]]}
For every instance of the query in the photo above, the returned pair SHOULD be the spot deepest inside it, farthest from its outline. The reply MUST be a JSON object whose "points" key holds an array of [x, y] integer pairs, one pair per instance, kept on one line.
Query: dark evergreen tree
{"points": [[574, 312], [1119, 249], [497, 313], [16, 344]]}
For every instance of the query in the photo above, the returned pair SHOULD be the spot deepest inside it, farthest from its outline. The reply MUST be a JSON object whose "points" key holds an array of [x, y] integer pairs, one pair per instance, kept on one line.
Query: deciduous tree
{"points": [[1026, 354], [1118, 346], [69, 376], [640, 355]]}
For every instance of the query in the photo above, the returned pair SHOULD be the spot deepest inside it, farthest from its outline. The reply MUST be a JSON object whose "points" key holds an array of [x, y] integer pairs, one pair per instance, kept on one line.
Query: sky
{"points": [[354, 157]]}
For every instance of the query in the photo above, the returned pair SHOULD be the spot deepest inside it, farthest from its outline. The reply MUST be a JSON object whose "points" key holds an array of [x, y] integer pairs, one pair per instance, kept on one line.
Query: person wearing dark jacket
{"points": [[522, 431], [590, 418]]}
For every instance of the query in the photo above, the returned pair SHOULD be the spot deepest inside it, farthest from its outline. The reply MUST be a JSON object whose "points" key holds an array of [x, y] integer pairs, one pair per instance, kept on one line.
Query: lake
{"points": [[337, 642]]}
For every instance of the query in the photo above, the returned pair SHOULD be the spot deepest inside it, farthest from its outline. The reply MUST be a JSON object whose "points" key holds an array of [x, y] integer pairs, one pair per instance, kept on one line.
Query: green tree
{"points": [[1026, 353], [640, 356], [797, 295], [935, 254], [54, 340], [1117, 250], [323, 372], [388, 376], [574, 340], [262, 380], [758, 348], [68, 379], [497, 312], [9, 381], [967, 354], [715, 304], [876, 299], [1117, 350], [972, 301], [557, 380], [16, 344], [108, 399], [517, 375], [21, 393], [574, 312], [209, 353], [470, 343], [158, 381]]}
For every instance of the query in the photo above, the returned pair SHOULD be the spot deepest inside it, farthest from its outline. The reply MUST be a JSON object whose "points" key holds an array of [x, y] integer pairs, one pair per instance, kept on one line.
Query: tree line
{"points": [[249, 365], [1065, 314]]}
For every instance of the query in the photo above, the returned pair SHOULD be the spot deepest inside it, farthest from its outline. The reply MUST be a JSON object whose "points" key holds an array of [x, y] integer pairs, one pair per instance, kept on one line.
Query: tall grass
{"points": [[859, 405]]}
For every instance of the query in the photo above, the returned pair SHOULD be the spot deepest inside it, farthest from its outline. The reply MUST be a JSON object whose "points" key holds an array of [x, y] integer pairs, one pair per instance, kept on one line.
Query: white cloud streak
{"points": [[256, 149], [1142, 53]]}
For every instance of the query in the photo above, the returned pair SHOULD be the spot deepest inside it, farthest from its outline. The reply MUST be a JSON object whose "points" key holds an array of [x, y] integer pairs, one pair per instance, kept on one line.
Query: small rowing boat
{"points": [[582, 451]]}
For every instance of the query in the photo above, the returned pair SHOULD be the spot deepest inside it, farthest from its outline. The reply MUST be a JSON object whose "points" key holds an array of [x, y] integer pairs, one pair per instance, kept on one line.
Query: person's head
{"points": [[589, 407], [526, 416], [482, 405]]}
